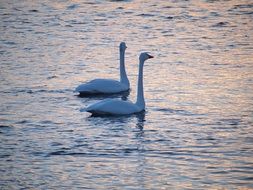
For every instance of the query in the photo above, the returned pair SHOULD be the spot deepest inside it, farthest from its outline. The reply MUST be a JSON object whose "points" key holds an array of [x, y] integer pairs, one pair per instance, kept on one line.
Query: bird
{"points": [[120, 107], [108, 86]]}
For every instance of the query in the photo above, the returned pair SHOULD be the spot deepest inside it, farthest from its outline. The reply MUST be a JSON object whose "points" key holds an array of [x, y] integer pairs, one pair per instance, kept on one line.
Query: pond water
{"points": [[196, 132]]}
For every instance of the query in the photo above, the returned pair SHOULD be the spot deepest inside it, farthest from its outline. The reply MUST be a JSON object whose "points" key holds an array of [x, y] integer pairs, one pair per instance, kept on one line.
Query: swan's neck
{"points": [[123, 76], [140, 95]]}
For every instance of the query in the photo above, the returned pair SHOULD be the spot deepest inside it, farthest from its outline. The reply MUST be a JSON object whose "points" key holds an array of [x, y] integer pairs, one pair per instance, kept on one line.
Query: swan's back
{"points": [[102, 86], [113, 107]]}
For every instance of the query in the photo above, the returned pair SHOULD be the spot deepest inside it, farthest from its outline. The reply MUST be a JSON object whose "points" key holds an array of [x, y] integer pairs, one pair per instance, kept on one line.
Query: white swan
{"points": [[108, 86], [119, 107]]}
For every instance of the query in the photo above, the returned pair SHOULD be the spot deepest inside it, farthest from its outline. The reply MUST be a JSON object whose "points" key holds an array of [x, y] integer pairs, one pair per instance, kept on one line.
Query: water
{"points": [[196, 132]]}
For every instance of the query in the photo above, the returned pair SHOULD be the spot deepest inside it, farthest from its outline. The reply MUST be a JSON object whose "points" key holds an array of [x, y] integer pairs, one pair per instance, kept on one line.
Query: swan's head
{"points": [[144, 56], [122, 46]]}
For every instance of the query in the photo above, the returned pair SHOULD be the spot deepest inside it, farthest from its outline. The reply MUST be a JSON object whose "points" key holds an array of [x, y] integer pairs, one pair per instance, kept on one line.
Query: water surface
{"points": [[196, 132]]}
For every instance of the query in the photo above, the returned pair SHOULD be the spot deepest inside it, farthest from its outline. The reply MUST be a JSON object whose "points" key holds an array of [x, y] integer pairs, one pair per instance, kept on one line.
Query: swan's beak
{"points": [[150, 56]]}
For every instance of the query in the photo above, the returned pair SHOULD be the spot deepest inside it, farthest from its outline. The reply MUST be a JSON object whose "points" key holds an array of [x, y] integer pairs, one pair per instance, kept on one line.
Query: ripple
{"points": [[120, 0], [52, 77], [34, 10], [72, 7], [6, 126], [175, 111], [56, 144], [146, 15], [11, 43], [66, 131], [243, 6], [221, 24], [23, 121], [6, 129], [199, 96], [80, 154], [232, 122], [242, 9]]}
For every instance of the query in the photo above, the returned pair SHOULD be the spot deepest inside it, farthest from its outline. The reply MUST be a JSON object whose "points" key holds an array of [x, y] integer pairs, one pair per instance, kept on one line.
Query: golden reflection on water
{"points": [[198, 91]]}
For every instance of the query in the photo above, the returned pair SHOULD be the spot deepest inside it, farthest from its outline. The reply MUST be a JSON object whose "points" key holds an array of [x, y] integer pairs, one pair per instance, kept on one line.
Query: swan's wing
{"points": [[114, 107], [102, 86]]}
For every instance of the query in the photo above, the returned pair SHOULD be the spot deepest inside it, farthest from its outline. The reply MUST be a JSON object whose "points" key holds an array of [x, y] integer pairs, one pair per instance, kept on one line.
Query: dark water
{"points": [[197, 130]]}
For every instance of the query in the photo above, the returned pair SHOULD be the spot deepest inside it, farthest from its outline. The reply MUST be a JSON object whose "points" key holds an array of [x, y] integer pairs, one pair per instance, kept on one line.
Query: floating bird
{"points": [[120, 107], [108, 86]]}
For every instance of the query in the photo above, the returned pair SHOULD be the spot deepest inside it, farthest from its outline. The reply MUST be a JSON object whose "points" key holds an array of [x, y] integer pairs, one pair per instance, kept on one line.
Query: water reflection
{"points": [[125, 144], [123, 95], [197, 132], [140, 123], [123, 119]]}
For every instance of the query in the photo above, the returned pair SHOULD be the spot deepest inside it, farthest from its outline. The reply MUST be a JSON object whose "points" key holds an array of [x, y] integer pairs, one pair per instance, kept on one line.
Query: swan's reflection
{"points": [[125, 129], [118, 119], [123, 95], [140, 123], [140, 143]]}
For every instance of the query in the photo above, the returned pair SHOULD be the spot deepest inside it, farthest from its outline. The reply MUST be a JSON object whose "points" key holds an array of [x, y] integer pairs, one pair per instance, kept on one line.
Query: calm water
{"points": [[197, 130]]}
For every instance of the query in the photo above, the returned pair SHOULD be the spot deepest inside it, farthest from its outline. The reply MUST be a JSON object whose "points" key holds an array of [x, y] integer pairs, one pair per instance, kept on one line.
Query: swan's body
{"points": [[119, 107], [102, 86], [113, 107], [108, 86]]}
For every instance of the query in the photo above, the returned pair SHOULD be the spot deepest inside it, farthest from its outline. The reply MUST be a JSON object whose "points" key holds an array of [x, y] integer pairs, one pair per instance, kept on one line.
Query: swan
{"points": [[120, 107], [108, 86]]}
